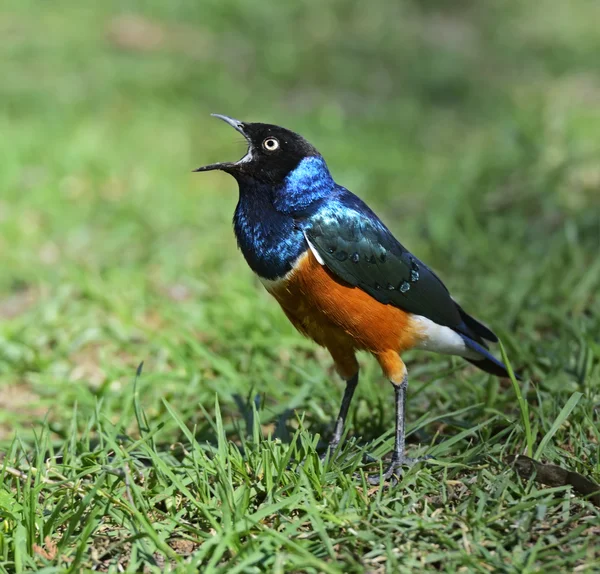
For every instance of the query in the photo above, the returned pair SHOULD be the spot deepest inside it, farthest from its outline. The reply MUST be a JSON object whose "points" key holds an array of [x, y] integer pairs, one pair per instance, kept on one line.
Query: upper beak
{"points": [[236, 125]]}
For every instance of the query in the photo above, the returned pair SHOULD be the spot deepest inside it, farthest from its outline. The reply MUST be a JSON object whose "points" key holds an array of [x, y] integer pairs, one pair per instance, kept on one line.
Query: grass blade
{"points": [[558, 422], [523, 405]]}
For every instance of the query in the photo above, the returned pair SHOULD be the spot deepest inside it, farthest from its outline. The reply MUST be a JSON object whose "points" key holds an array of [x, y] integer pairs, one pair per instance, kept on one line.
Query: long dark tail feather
{"points": [[494, 367], [488, 362], [476, 327]]}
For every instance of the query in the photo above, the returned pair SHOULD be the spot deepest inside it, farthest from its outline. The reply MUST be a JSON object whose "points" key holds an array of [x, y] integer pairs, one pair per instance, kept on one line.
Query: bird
{"points": [[340, 275]]}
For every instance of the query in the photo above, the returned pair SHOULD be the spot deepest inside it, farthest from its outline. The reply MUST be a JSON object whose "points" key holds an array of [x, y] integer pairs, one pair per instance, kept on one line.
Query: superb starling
{"points": [[337, 271]]}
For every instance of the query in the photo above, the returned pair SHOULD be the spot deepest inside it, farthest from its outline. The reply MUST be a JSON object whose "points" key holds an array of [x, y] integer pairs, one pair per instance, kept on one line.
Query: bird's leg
{"points": [[341, 419], [351, 384], [398, 458]]}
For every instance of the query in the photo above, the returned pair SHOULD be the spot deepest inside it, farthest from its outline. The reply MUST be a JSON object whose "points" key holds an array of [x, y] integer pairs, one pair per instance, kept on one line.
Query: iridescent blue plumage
{"points": [[304, 186], [269, 240], [266, 221]]}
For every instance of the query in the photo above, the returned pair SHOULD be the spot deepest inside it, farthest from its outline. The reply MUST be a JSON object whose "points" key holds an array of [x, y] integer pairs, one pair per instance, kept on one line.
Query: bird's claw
{"points": [[394, 470]]}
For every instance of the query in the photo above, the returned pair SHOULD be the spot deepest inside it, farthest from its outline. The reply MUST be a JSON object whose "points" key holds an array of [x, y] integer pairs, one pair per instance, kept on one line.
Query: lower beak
{"points": [[222, 166], [225, 166]]}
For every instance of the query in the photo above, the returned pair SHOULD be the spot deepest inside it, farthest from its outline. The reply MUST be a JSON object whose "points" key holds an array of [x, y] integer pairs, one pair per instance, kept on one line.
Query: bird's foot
{"points": [[394, 470]]}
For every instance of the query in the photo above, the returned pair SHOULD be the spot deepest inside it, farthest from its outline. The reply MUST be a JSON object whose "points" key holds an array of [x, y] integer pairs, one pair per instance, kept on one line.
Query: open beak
{"points": [[226, 166]]}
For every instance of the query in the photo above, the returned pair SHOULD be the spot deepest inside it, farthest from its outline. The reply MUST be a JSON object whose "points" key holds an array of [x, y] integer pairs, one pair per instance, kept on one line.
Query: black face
{"points": [[273, 152]]}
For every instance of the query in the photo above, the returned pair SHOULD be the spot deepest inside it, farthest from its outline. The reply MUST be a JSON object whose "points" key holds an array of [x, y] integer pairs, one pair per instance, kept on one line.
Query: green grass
{"points": [[474, 132]]}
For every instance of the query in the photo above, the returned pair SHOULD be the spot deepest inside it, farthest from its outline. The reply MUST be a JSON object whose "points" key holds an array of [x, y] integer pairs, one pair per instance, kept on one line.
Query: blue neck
{"points": [[305, 185], [265, 217]]}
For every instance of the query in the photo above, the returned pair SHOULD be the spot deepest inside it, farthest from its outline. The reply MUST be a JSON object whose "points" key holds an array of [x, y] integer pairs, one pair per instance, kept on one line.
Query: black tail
{"points": [[487, 362], [477, 328], [492, 367]]}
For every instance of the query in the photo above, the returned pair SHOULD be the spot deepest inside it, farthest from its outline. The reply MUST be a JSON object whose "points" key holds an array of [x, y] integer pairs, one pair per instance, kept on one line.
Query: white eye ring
{"points": [[271, 144]]}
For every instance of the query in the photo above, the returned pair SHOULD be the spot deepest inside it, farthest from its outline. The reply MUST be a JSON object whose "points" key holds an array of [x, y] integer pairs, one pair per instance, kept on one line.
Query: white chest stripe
{"points": [[271, 284]]}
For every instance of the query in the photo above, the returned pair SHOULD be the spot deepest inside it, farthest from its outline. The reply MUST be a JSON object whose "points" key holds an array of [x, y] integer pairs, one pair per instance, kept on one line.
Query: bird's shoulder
{"points": [[345, 218]]}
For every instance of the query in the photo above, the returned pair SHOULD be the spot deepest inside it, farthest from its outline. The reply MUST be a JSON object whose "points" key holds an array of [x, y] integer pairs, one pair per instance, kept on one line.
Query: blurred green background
{"points": [[472, 127]]}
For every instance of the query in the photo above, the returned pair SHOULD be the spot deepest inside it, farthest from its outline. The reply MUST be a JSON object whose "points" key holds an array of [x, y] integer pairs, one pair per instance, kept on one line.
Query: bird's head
{"points": [[273, 153]]}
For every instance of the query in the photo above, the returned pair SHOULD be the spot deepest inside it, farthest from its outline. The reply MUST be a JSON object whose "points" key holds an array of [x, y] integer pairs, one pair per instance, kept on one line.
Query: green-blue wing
{"points": [[357, 248]]}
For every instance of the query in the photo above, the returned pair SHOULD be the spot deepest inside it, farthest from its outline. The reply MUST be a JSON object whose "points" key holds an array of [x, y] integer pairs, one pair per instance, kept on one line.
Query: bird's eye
{"points": [[271, 144]]}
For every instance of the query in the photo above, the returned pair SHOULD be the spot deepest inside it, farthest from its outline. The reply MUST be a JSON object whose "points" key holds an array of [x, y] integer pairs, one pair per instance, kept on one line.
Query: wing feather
{"points": [[357, 247]]}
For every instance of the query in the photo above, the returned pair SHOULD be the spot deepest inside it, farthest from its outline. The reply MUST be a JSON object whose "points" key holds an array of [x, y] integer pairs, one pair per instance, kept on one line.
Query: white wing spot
{"points": [[314, 249]]}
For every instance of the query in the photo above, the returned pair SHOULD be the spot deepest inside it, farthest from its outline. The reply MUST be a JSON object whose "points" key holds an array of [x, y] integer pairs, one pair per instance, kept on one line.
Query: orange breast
{"points": [[339, 316]]}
